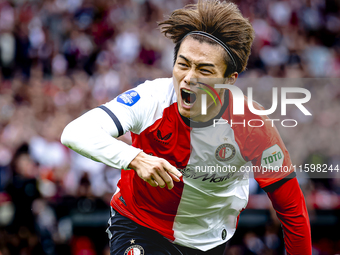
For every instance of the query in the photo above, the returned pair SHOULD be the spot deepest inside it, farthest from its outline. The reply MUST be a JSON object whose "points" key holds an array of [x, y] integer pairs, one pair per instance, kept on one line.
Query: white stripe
{"points": [[204, 104]]}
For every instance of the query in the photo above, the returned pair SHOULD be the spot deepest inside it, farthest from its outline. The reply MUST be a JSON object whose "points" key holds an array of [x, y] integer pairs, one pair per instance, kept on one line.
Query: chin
{"points": [[188, 114], [184, 113]]}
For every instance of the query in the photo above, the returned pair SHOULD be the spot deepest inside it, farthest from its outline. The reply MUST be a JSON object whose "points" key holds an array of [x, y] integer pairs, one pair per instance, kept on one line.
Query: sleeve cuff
{"points": [[275, 185], [129, 155]]}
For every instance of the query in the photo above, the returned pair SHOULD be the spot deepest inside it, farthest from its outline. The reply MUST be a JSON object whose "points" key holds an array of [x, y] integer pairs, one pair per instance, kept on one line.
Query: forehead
{"points": [[202, 52]]}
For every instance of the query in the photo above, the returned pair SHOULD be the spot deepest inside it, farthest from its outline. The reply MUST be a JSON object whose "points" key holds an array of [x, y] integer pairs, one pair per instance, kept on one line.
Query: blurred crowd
{"points": [[60, 58]]}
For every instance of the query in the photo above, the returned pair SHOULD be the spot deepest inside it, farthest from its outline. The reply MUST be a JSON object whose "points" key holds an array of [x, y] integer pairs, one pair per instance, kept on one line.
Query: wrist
{"points": [[128, 154], [135, 162]]}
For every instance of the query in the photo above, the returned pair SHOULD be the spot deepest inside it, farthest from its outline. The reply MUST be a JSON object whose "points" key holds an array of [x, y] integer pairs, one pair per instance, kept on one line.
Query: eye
{"points": [[206, 71], [183, 64]]}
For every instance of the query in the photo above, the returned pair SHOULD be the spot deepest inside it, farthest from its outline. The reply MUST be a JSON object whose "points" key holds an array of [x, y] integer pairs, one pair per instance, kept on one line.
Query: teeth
{"points": [[188, 91]]}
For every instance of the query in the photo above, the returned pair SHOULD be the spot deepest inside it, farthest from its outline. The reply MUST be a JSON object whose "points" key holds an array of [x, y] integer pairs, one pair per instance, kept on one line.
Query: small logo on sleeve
{"points": [[128, 98], [272, 158]]}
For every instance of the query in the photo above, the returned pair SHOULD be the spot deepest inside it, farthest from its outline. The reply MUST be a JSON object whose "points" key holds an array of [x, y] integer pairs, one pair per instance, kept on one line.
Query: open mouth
{"points": [[189, 97]]}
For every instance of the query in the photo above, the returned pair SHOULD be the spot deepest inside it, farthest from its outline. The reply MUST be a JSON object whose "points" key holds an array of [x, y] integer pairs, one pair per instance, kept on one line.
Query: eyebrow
{"points": [[199, 65]]}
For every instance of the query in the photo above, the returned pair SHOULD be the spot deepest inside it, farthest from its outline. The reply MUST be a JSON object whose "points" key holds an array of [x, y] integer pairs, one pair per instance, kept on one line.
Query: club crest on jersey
{"points": [[225, 152], [272, 158], [134, 250], [128, 98]]}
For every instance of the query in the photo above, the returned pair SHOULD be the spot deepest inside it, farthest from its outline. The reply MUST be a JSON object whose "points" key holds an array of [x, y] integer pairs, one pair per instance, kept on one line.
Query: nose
{"points": [[191, 78]]}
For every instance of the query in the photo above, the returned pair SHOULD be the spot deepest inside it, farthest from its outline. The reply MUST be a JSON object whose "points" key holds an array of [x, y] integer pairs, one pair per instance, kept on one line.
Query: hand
{"points": [[155, 171]]}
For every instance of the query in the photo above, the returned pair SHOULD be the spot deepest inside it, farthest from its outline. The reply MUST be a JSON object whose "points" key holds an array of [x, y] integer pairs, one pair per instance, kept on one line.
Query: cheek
{"points": [[176, 76], [220, 94], [210, 101], [176, 84], [175, 73]]}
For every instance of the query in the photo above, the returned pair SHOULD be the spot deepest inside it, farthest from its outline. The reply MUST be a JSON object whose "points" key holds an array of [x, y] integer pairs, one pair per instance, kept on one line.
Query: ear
{"points": [[232, 78]]}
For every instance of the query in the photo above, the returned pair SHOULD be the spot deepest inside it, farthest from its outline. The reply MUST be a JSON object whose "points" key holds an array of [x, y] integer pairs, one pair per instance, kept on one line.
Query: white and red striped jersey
{"points": [[202, 210]]}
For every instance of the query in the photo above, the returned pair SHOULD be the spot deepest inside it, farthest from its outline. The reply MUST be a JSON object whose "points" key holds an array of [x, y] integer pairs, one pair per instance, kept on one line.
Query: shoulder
{"points": [[157, 87], [149, 93], [252, 130], [260, 125], [138, 107], [249, 119]]}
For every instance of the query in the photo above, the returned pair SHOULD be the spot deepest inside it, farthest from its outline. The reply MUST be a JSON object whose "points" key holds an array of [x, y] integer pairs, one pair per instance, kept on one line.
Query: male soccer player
{"points": [[174, 142]]}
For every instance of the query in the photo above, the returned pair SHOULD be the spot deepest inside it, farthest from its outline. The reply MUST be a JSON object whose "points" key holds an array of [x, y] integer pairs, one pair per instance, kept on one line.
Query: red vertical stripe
{"points": [[154, 207]]}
